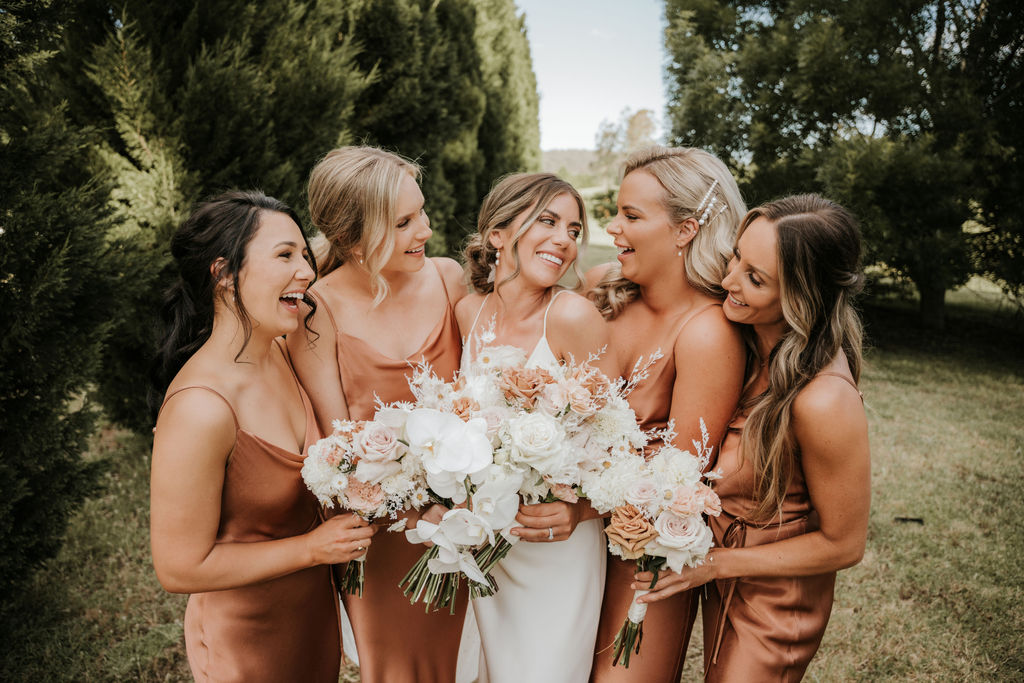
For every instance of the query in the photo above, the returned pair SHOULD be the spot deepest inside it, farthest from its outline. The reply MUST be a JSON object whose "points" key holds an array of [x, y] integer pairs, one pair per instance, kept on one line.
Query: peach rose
{"points": [[565, 492], [686, 501], [710, 502], [523, 384], [630, 530], [596, 384], [464, 407], [363, 497]]}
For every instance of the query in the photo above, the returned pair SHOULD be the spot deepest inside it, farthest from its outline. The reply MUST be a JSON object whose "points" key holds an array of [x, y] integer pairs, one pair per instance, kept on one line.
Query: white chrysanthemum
{"points": [[675, 467], [606, 488], [611, 423]]}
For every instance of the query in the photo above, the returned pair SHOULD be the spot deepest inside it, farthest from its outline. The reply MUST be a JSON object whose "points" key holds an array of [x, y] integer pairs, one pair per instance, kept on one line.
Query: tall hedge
{"points": [[59, 290]]}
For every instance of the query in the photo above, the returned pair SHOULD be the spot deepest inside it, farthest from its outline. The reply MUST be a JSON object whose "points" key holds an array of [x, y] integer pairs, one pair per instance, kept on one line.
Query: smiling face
{"points": [[275, 274], [548, 246], [647, 241], [754, 296], [411, 230]]}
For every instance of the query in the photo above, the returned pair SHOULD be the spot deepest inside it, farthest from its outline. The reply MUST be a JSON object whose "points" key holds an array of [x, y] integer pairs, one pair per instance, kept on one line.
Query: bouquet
{"points": [[527, 434], [657, 519], [363, 466]]}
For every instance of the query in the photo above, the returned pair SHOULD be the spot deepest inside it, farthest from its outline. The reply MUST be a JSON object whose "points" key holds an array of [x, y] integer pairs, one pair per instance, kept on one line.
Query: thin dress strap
{"points": [[213, 391], [321, 305], [478, 312], [544, 330], [444, 285], [844, 378]]}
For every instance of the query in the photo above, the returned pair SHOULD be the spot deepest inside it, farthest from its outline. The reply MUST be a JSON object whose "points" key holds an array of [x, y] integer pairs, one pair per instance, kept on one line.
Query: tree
{"points": [[792, 93], [193, 99], [614, 141], [59, 289]]}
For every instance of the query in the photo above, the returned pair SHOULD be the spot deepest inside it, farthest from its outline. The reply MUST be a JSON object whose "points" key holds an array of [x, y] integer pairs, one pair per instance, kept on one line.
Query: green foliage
{"points": [[59, 289], [195, 99], [799, 96], [614, 141], [426, 101]]}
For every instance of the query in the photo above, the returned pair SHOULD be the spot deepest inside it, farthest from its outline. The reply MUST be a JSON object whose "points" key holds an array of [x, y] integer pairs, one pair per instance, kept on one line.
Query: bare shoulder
{"points": [[466, 309], [450, 269], [829, 401], [571, 309], [197, 415], [707, 332], [595, 274]]}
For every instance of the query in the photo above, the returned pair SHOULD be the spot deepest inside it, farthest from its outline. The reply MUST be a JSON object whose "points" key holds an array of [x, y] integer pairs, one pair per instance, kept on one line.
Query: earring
{"points": [[360, 261], [679, 253], [494, 267]]}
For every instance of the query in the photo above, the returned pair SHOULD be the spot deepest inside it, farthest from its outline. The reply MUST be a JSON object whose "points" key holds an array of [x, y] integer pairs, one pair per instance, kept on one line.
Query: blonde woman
{"points": [[677, 213], [383, 305], [796, 466], [541, 624]]}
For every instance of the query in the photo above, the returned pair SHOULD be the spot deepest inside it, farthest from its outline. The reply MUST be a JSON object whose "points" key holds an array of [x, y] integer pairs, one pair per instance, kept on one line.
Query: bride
{"points": [[541, 624]]}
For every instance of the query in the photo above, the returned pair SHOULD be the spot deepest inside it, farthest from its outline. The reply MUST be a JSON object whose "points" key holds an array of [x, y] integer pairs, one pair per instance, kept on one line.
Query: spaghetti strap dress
{"points": [[761, 628], [283, 629], [396, 641], [668, 623], [541, 624]]}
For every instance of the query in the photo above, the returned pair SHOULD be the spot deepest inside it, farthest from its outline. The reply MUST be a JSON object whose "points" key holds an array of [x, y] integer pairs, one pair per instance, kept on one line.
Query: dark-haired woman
{"points": [[231, 521], [795, 466]]}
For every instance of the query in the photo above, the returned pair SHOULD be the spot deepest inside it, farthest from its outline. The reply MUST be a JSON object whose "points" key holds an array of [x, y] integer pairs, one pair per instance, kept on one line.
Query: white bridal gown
{"points": [[541, 624]]}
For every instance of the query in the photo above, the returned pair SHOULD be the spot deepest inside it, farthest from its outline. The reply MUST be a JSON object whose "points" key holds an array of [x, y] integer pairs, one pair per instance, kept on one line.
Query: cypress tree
{"points": [[59, 289]]}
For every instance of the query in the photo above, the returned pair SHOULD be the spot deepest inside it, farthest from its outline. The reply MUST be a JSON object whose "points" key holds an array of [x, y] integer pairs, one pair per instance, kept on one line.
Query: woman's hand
{"points": [[669, 582], [339, 539], [549, 522]]}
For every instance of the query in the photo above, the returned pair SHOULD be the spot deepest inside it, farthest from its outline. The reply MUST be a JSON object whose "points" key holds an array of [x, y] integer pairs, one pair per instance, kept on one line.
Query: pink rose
{"points": [[377, 442], [686, 501], [642, 493], [711, 504], [565, 492], [581, 401], [362, 497]]}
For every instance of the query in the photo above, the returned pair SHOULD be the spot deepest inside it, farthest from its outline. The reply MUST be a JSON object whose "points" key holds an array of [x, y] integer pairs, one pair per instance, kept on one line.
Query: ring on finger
{"points": [[551, 534], [361, 548]]}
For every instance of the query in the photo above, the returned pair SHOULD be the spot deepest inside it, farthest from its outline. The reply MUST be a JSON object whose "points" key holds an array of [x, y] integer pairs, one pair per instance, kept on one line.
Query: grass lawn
{"points": [[939, 595]]}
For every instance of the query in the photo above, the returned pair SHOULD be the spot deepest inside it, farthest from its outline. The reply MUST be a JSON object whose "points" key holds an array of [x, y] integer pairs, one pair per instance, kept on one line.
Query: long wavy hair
{"points": [[511, 196], [686, 174], [819, 252], [353, 197], [218, 228]]}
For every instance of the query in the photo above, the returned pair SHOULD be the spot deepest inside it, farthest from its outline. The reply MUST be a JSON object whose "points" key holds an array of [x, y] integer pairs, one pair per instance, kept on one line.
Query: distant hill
{"points": [[571, 164]]}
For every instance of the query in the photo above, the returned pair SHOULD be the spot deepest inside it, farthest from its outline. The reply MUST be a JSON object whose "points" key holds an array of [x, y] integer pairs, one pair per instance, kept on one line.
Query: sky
{"points": [[593, 58]]}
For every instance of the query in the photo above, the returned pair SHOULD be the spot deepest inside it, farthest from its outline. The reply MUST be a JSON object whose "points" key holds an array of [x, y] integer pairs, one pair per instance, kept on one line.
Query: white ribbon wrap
{"points": [[637, 610]]}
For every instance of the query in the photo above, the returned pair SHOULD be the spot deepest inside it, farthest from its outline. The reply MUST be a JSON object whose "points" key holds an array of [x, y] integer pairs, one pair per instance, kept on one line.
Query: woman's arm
{"points": [[315, 358], [831, 429], [194, 438], [710, 360]]}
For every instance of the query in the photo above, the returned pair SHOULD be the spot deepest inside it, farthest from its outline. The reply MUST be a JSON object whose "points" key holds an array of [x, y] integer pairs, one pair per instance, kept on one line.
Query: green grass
{"points": [[942, 600]]}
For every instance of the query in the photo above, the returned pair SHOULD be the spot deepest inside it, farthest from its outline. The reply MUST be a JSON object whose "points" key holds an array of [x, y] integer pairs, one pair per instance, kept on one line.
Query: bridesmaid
{"points": [[678, 209], [383, 305], [796, 466], [541, 624], [231, 521]]}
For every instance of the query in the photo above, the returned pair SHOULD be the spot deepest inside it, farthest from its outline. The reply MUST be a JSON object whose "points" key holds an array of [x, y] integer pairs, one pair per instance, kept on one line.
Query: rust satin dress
{"points": [[761, 629], [284, 629], [668, 623], [398, 642]]}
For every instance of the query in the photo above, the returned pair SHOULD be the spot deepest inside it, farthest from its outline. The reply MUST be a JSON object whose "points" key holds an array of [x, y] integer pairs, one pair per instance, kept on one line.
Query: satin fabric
{"points": [[398, 642], [668, 623], [281, 629], [541, 624], [761, 629]]}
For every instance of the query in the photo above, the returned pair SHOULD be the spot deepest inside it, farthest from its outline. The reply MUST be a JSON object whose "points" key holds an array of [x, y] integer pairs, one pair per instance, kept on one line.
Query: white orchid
{"points": [[450, 449]]}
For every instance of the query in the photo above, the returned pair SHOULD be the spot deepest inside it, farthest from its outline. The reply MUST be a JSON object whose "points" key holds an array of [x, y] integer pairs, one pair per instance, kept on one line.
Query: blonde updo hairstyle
{"points": [[686, 174], [511, 196], [353, 195]]}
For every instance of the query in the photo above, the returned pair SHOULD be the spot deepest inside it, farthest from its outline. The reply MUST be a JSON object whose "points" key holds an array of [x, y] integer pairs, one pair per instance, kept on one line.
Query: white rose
{"points": [[684, 540], [643, 493], [538, 441]]}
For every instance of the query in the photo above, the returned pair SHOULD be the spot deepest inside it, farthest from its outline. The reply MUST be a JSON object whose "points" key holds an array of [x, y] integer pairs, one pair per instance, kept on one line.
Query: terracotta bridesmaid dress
{"points": [[668, 623], [761, 628], [283, 629], [398, 642]]}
